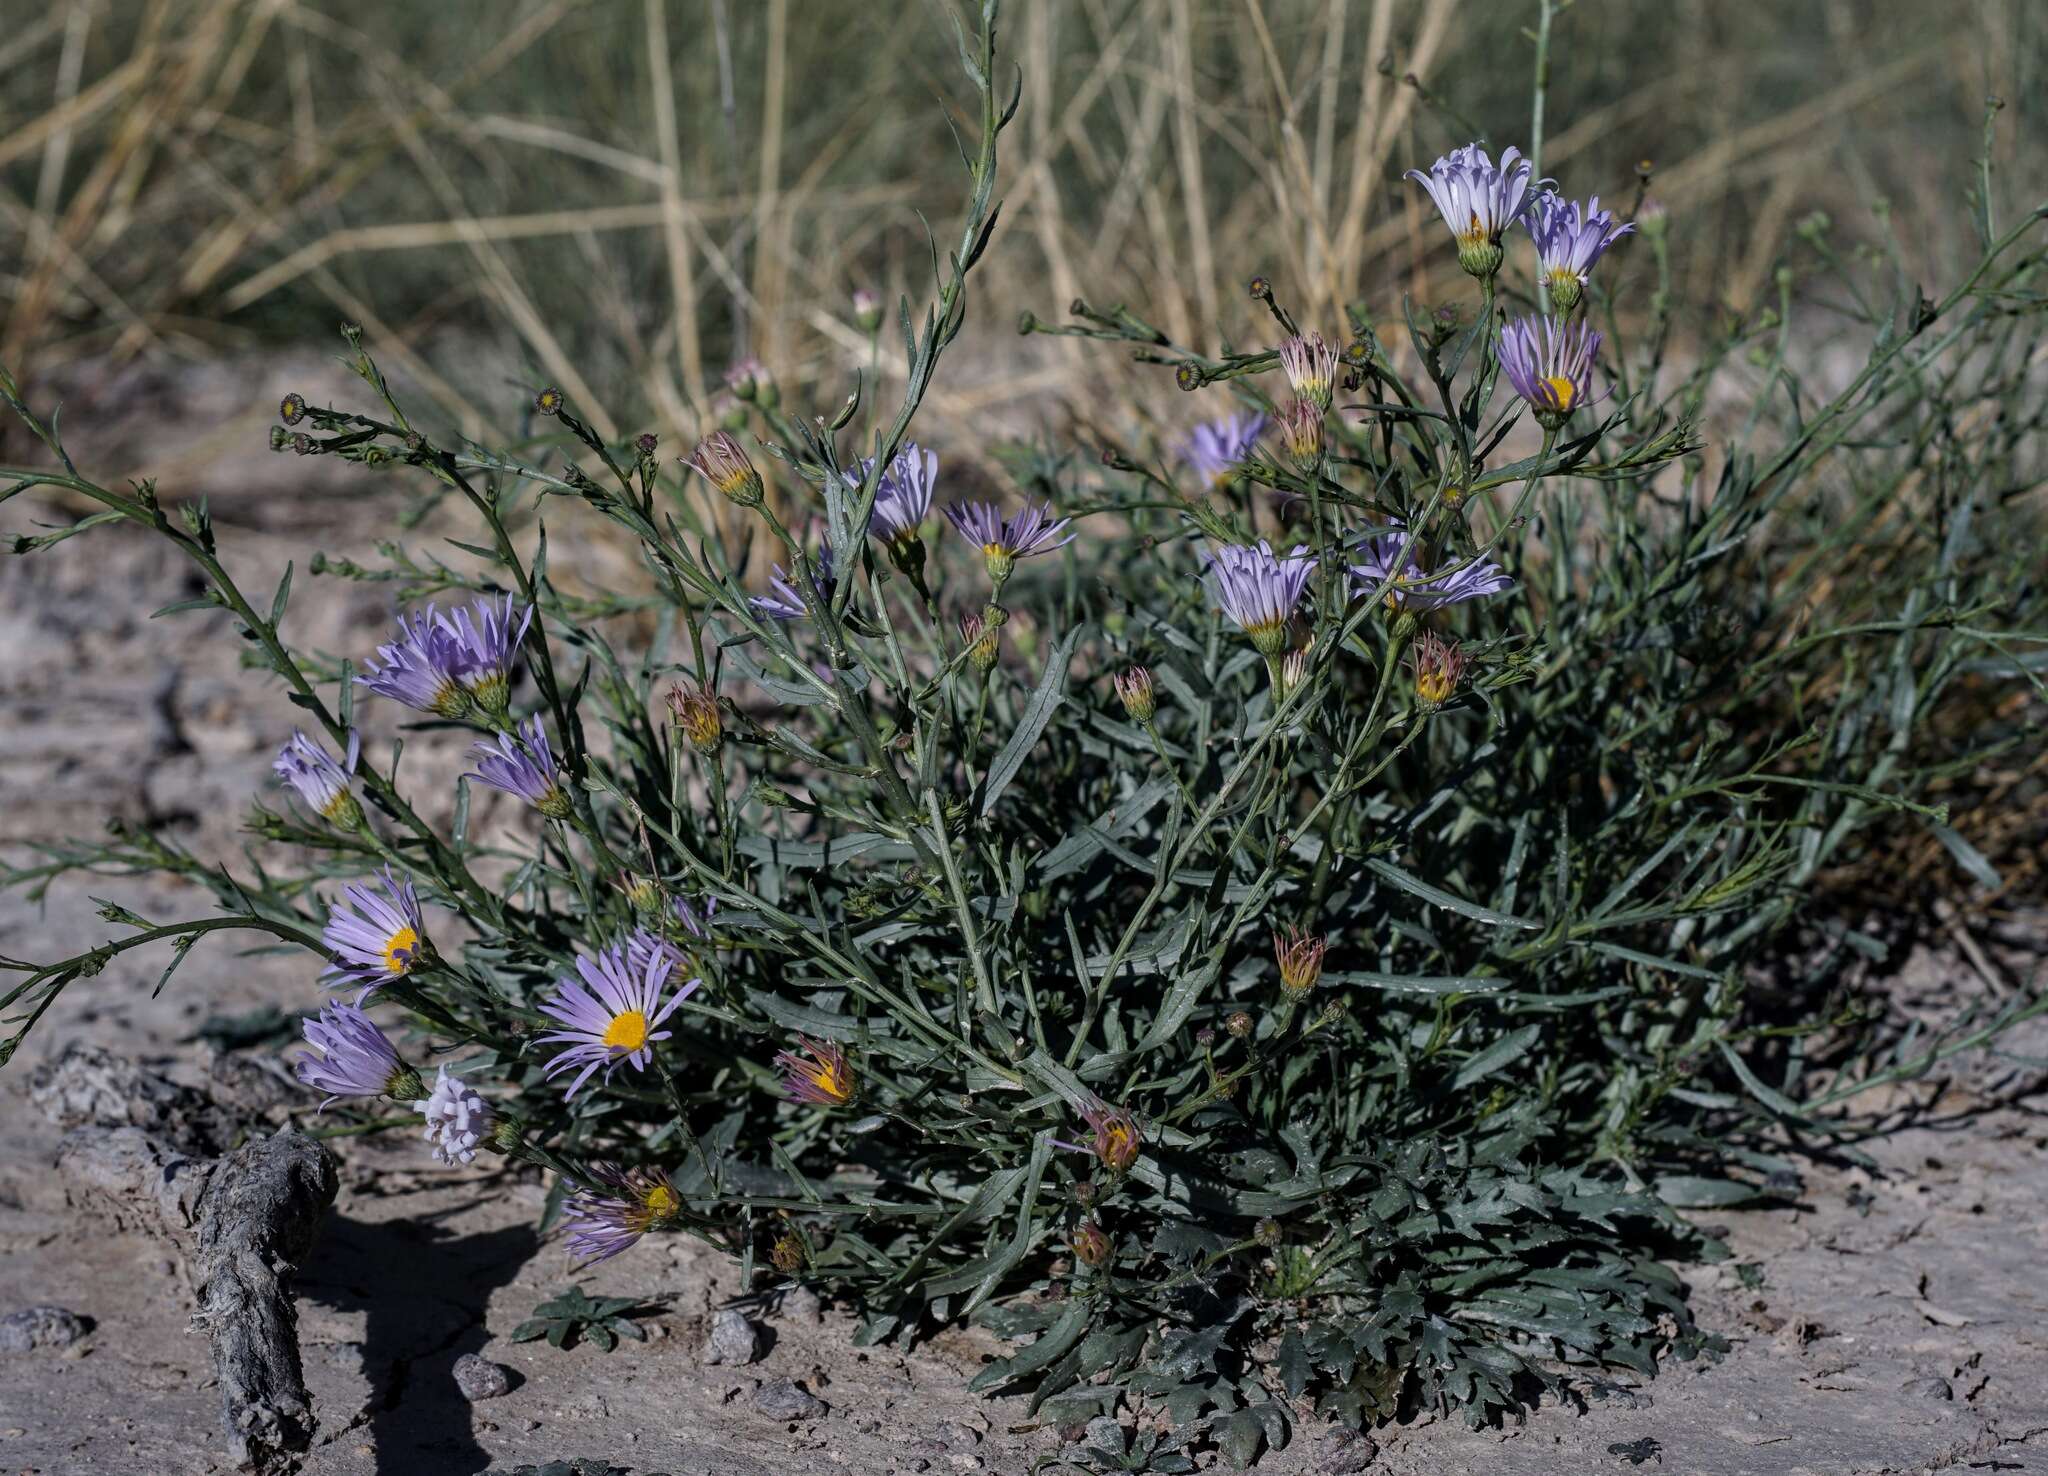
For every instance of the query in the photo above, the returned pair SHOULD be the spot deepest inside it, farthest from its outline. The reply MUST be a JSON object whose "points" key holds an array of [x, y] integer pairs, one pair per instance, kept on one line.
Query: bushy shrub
{"points": [[1263, 922]]}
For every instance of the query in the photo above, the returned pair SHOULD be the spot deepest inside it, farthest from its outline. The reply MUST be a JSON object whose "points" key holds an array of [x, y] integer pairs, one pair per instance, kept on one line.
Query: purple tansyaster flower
{"points": [[1259, 589], [1002, 540], [611, 1010], [351, 1057], [787, 601], [1409, 586], [525, 768], [375, 938], [1311, 368], [695, 920], [319, 780], [489, 633], [1550, 364], [1217, 449], [1568, 241], [820, 1076], [904, 499], [422, 668], [1478, 201], [615, 1208], [458, 1119]]}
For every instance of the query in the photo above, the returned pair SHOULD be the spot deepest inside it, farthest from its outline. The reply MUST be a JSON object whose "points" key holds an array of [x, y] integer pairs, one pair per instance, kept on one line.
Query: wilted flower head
{"points": [[1478, 201], [903, 500], [319, 780], [724, 463], [695, 711], [351, 1057], [1408, 585], [375, 937], [488, 634], [610, 1010], [1550, 364], [1092, 1245], [1002, 540], [695, 920], [981, 639], [1301, 960], [1134, 689], [1259, 589], [1307, 437], [524, 766], [1568, 241], [617, 1207], [819, 1076], [1217, 449], [1438, 665], [788, 1254], [786, 599], [1116, 1136], [1293, 671], [1311, 368], [458, 1120]]}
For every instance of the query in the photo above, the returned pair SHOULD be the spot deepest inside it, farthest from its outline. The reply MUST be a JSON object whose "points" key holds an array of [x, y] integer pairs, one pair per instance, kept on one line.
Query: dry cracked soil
{"points": [[1892, 1321]]}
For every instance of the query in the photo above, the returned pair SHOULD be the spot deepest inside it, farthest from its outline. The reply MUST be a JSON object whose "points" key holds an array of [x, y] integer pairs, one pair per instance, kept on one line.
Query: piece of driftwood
{"points": [[155, 1157]]}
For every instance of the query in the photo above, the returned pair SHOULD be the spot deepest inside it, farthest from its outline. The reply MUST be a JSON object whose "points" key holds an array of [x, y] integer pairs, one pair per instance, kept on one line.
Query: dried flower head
{"points": [[724, 462], [788, 1254], [1003, 541], [1092, 1245], [819, 1076], [1239, 1024], [1216, 450], [1301, 959], [1134, 689], [351, 1057], [1307, 436], [1259, 589], [1478, 201], [1290, 673], [524, 765], [375, 937], [981, 640], [611, 1010], [695, 711], [1438, 666], [1569, 240], [1550, 365], [1116, 1136], [1311, 368], [611, 1211], [320, 781], [458, 1119]]}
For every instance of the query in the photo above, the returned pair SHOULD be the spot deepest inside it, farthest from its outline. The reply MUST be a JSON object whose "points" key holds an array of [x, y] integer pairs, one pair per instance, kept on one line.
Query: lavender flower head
{"points": [[489, 633], [524, 766], [610, 1010], [618, 1206], [786, 598], [1003, 541], [1550, 364], [1259, 589], [1408, 585], [319, 780], [351, 1057], [1215, 450], [819, 1076], [1478, 201], [458, 1119], [1568, 241], [695, 919], [903, 500], [422, 668], [375, 938]]}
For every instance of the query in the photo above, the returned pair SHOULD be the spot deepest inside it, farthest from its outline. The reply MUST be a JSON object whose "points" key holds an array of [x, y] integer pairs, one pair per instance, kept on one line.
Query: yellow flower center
{"points": [[627, 1032], [398, 950], [825, 1077], [661, 1202], [1433, 687], [993, 550], [1119, 1144], [1561, 390]]}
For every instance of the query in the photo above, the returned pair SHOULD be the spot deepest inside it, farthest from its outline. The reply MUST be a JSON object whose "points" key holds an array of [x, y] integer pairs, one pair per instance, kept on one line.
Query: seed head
{"points": [[1267, 1233], [787, 1253]]}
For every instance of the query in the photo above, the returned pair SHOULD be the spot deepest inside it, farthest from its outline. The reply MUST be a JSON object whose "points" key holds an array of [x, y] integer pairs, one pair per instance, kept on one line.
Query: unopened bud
{"points": [[867, 310], [1134, 688], [549, 401], [292, 408]]}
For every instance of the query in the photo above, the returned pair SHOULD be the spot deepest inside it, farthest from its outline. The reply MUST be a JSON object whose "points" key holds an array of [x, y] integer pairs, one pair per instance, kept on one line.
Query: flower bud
{"points": [[549, 401], [745, 379], [1267, 1233], [1134, 689], [1239, 1024], [1084, 1192], [867, 310], [292, 408], [724, 463], [1290, 673], [641, 893]]}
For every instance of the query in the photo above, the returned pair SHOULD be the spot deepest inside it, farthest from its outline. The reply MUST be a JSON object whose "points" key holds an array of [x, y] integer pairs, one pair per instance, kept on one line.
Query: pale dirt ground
{"points": [[1902, 1323]]}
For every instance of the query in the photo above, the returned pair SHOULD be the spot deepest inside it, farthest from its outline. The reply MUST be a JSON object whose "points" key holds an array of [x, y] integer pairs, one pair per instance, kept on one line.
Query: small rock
{"points": [[782, 1399], [801, 1304], [1929, 1388], [732, 1339], [41, 1327], [952, 1435], [1346, 1453], [479, 1378], [1104, 1431]]}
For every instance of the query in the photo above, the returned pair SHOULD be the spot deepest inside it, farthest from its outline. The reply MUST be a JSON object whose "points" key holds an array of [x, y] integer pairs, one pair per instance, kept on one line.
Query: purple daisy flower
{"points": [[423, 668], [1568, 241], [319, 780], [615, 1208], [457, 1118], [1478, 201], [375, 938], [1217, 449], [351, 1058], [787, 600], [1550, 365], [526, 768], [1409, 586], [489, 633], [1002, 540], [1259, 589], [611, 1010], [904, 499]]}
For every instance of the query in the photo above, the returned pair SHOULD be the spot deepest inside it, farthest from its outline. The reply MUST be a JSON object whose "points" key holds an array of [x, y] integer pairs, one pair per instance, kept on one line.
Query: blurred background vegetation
{"points": [[621, 196]]}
